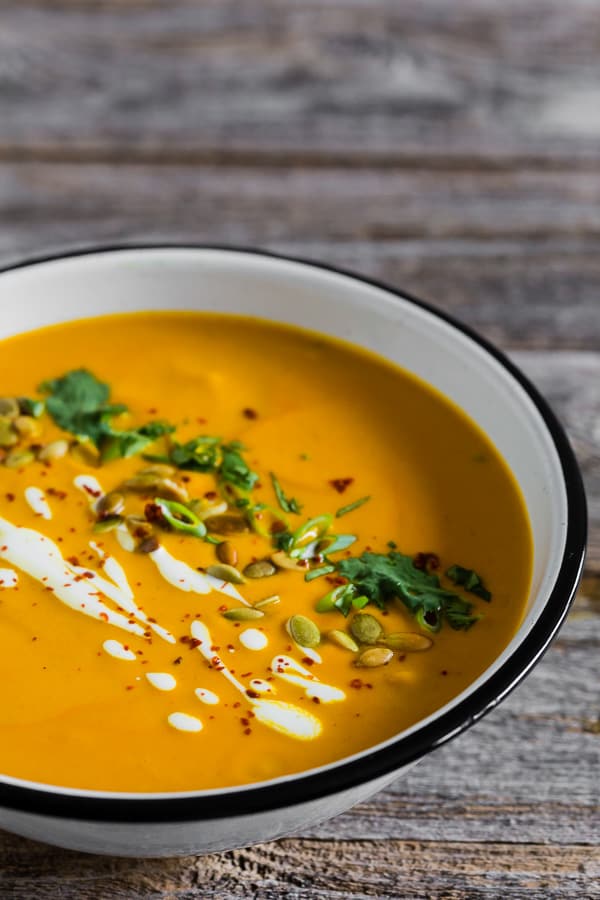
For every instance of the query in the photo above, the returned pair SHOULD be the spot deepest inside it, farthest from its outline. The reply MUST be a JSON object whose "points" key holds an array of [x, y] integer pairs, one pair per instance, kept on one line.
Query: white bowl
{"points": [[421, 339]]}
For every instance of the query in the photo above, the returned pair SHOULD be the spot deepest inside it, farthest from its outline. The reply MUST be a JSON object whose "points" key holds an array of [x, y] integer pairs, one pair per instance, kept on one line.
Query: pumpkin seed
{"points": [[110, 504], [374, 657], [303, 631], [262, 568], [9, 407], [8, 436], [161, 469], [108, 523], [365, 628], [343, 640], [148, 545], [54, 450], [18, 458], [203, 509], [243, 614], [226, 524], [226, 573], [226, 553], [138, 527], [153, 484], [283, 561], [408, 642], [268, 601], [27, 426]]}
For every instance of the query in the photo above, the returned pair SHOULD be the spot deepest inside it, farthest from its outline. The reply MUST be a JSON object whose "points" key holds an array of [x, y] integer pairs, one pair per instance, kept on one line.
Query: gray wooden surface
{"points": [[452, 149]]}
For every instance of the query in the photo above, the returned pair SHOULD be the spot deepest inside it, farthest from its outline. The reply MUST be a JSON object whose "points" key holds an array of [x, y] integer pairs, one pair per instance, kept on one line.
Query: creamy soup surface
{"points": [[232, 550]]}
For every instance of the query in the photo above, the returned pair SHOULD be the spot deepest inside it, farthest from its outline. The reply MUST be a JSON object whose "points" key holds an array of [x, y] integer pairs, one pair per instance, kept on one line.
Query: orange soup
{"points": [[232, 550]]}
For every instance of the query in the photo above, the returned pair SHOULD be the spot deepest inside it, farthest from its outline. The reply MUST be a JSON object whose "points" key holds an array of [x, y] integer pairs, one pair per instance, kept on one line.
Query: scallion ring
{"points": [[180, 517]]}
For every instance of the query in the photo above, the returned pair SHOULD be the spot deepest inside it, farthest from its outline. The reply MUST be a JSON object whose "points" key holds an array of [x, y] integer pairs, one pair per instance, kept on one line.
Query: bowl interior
{"points": [[338, 305]]}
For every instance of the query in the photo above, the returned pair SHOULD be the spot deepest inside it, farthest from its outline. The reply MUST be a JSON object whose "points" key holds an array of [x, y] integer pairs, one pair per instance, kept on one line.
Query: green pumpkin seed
{"points": [[226, 553], [27, 426], [262, 568], [8, 436], [150, 483], [226, 524], [54, 450], [283, 561], [243, 614], [108, 523], [162, 470], [9, 407], [374, 657], [268, 601], [139, 527], [110, 504], [18, 458], [365, 628], [226, 573], [408, 642], [303, 631], [343, 640]]}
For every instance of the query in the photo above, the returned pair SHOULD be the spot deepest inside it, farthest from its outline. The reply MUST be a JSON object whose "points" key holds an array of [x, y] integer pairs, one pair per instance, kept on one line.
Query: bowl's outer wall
{"points": [[442, 352]]}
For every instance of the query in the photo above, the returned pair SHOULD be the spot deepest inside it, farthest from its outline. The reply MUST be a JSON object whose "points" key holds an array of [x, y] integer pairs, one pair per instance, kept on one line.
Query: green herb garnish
{"points": [[470, 580], [288, 504], [382, 577], [344, 510], [79, 403], [233, 469]]}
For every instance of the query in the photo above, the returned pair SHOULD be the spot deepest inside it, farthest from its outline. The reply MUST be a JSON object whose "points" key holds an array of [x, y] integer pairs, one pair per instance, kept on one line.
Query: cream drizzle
{"points": [[8, 578], [183, 577], [91, 487], [261, 686], [118, 650], [284, 667], [183, 722], [162, 681], [283, 717], [36, 499], [206, 696], [253, 639]]}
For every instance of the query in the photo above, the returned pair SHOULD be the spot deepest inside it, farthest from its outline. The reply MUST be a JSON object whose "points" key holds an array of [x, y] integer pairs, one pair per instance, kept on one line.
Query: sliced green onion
{"points": [[312, 530], [433, 626], [359, 602], [318, 573], [344, 510], [181, 518], [339, 598]]}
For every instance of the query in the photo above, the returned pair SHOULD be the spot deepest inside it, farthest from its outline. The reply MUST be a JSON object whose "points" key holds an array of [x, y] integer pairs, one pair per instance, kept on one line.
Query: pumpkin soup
{"points": [[232, 550]]}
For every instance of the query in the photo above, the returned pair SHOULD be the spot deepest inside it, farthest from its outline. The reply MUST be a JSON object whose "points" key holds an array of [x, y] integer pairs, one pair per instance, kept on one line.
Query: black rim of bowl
{"points": [[401, 751]]}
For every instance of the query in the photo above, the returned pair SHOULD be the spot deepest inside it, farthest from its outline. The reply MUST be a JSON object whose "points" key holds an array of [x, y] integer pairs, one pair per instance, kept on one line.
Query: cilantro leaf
{"points": [[288, 504], [201, 454], [381, 577], [121, 444], [234, 470], [470, 580]]}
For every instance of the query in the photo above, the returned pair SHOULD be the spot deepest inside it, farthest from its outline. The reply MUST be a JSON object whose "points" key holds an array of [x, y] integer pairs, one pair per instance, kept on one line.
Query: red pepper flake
{"points": [[129, 687], [249, 413], [237, 704], [444, 672], [186, 478], [54, 492], [184, 639], [308, 661], [91, 491], [34, 639], [245, 674], [210, 495], [340, 484], [195, 642], [426, 562], [315, 700], [245, 722], [152, 411], [10, 497], [247, 731], [201, 421], [356, 683], [105, 617], [178, 661], [254, 695]]}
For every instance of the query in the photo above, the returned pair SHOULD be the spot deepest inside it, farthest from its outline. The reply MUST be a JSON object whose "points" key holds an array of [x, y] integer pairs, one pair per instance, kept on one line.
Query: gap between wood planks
{"points": [[126, 153]]}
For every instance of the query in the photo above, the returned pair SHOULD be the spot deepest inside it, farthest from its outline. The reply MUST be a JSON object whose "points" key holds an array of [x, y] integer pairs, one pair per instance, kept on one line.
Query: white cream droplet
{"points": [[206, 696], [162, 681], [36, 499], [289, 670], [8, 578], [183, 722], [183, 577], [253, 639], [116, 649], [89, 486], [261, 686]]}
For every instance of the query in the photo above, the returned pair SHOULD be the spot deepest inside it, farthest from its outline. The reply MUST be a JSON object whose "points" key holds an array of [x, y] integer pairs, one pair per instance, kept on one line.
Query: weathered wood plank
{"points": [[459, 246], [423, 81], [313, 869]]}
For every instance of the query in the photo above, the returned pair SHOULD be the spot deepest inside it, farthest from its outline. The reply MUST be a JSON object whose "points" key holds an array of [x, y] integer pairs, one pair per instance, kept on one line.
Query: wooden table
{"points": [[452, 149]]}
